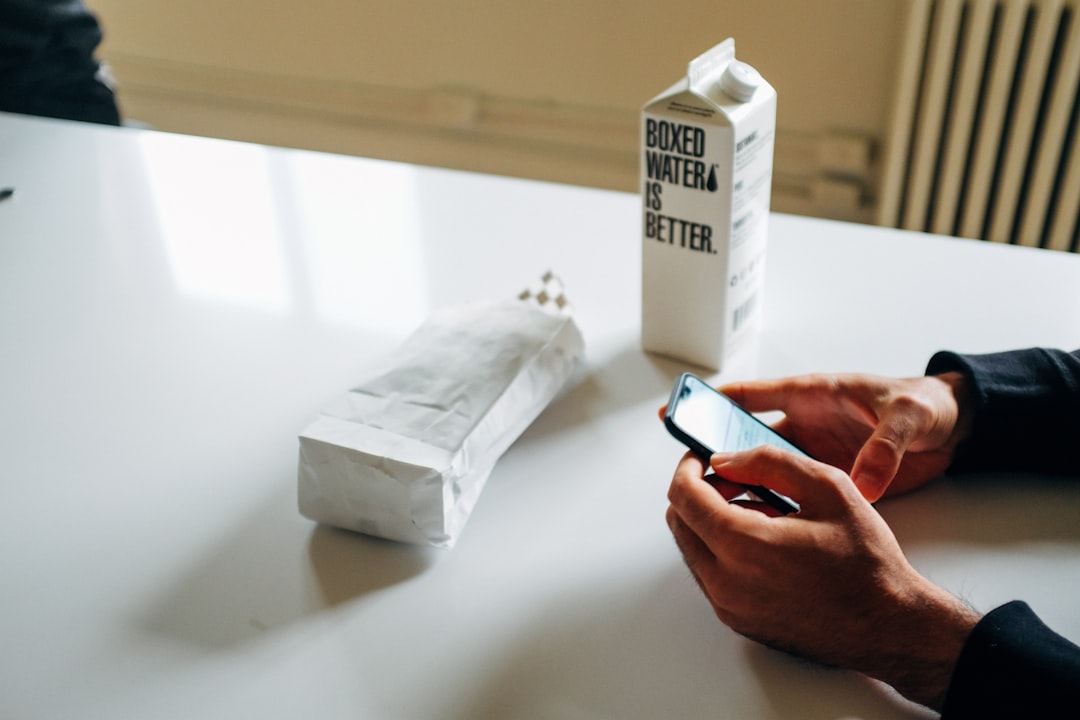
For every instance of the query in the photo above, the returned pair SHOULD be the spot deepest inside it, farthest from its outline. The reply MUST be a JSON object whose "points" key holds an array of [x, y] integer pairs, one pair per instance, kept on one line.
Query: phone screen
{"points": [[717, 422], [707, 421]]}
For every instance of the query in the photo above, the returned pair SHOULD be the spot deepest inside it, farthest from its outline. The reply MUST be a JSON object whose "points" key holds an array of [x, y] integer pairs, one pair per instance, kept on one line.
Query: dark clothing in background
{"points": [[47, 64], [1027, 419]]}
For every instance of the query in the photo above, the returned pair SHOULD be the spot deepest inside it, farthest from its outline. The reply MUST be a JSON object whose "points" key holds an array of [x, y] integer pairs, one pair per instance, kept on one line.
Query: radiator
{"points": [[983, 138]]}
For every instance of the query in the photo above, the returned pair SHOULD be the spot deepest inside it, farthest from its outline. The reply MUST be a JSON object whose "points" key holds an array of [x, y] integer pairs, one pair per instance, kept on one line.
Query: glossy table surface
{"points": [[174, 310]]}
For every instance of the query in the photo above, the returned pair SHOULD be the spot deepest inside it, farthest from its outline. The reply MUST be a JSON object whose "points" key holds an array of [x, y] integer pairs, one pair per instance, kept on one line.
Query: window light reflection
{"points": [[362, 245], [216, 209]]}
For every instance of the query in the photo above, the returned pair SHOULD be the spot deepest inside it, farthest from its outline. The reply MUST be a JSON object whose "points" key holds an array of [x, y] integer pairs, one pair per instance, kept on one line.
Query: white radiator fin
{"points": [[984, 141]]}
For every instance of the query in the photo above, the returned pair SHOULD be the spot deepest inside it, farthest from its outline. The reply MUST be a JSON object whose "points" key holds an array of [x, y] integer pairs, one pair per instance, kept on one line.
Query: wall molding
{"points": [[441, 126]]}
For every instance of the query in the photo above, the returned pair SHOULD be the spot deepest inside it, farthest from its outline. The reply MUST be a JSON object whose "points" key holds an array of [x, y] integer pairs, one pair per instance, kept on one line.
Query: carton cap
{"points": [[740, 81]]}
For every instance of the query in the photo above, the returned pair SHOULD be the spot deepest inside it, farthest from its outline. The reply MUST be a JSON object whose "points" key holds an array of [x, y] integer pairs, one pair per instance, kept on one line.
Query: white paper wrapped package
{"points": [[406, 454]]}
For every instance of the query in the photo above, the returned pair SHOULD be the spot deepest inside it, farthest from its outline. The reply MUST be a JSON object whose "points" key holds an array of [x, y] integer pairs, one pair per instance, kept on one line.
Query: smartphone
{"points": [[707, 421]]}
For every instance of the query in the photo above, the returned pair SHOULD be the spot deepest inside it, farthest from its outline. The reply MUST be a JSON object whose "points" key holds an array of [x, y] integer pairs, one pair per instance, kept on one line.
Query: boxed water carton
{"points": [[706, 173]]}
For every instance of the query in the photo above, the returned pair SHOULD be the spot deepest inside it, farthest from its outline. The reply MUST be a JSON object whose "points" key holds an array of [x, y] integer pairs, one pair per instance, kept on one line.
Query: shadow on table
{"points": [[627, 379], [347, 565], [655, 650], [987, 510], [264, 576]]}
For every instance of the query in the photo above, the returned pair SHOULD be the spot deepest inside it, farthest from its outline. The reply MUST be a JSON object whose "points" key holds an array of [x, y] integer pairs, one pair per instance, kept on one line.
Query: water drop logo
{"points": [[711, 184]]}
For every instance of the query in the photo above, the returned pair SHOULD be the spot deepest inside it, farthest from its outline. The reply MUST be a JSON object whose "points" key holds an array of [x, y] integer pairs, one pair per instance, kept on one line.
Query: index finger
{"points": [[816, 486], [762, 395]]}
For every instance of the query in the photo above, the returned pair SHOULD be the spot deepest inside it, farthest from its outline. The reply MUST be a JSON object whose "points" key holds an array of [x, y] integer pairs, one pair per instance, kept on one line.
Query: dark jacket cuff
{"points": [[1014, 666]]}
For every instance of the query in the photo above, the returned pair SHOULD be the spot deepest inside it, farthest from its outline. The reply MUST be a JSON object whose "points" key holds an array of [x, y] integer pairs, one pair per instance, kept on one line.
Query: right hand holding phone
{"points": [[830, 583], [890, 435]]}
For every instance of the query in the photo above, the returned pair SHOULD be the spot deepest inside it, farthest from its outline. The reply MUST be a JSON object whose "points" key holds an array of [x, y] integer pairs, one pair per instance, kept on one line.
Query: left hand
{"points": [[891, 435], [829, 583]]}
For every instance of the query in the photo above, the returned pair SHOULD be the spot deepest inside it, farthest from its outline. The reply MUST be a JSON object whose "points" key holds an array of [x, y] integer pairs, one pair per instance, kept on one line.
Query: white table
{"points": [[174, 310]]}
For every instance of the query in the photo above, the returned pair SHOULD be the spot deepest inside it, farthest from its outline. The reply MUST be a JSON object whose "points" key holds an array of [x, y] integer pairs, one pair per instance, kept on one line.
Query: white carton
{"points": [[706, 172]]}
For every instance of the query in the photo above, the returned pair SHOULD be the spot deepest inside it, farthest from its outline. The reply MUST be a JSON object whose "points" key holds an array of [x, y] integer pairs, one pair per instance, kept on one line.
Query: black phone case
{"points": [[767, 496]]}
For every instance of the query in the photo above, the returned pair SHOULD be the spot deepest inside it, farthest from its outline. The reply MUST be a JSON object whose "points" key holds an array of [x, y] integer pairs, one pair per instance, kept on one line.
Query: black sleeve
{"points": [[1027, 410], [1013, 666], [47, 63]]}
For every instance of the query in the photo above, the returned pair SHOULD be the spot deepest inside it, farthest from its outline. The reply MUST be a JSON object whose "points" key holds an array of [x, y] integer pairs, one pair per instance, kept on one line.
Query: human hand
{"points": [[890, 435], [830, 584]]}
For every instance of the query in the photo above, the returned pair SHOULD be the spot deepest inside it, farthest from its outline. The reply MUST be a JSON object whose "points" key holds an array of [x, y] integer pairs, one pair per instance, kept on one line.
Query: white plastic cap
{"points": [[740, 81]]}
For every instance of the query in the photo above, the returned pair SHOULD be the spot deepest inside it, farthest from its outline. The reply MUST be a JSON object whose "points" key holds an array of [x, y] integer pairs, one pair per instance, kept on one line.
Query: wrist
{"points": [[961, 394], [922, 640]]}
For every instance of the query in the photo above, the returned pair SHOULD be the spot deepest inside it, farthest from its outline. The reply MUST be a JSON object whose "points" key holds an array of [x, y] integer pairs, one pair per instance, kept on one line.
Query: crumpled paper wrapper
{"points": [[406, 454]]}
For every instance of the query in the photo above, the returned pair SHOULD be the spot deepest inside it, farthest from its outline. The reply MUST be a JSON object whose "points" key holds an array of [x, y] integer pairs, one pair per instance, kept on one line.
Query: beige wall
{"points": [[539, 89]]}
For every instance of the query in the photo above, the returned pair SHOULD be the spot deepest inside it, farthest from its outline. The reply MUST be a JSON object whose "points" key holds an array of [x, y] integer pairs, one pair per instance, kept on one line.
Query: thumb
{"points": [[879, 459], [812, 484]]}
